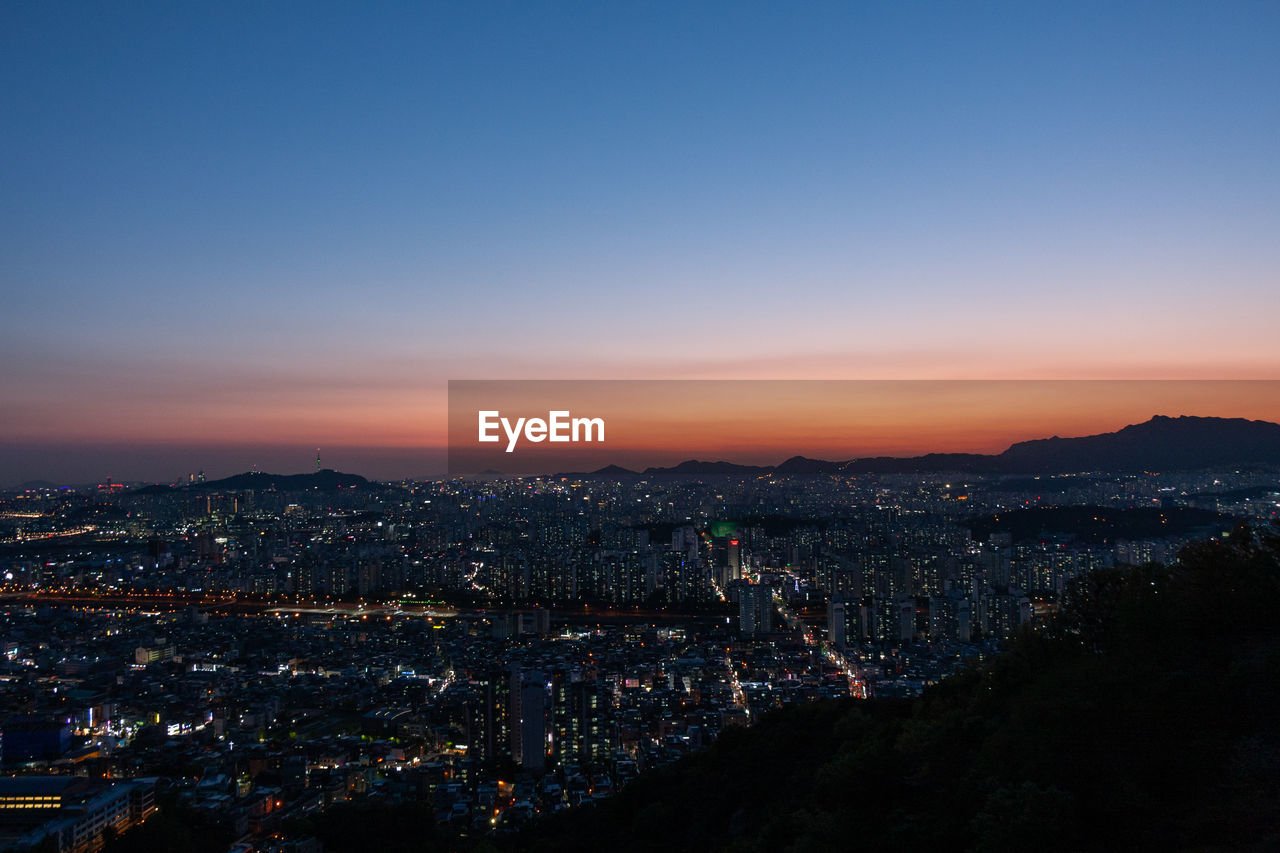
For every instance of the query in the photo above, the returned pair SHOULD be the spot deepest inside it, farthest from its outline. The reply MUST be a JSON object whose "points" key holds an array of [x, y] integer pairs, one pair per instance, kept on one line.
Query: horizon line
{"points": [[649, 469]]}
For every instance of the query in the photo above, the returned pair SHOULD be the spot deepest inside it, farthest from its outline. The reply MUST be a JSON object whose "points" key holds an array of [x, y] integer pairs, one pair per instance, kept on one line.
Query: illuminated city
{"points": [[698, 426], [510, 648]]}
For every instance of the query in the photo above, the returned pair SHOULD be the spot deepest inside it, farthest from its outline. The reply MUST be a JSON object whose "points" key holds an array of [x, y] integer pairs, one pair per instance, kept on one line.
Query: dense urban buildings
{"points": [[256, 650]]}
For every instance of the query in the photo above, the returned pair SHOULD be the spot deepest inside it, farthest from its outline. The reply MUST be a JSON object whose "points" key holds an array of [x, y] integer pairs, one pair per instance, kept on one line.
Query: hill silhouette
{"points": [[695, 466], [326, 480], [1160, 444]]}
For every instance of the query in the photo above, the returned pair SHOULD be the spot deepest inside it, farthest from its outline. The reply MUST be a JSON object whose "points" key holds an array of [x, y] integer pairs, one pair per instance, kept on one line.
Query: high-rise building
{"points": [[488, 721], [530, 734], [837, 626], [949, 618], [579, 709], [755, 609]]}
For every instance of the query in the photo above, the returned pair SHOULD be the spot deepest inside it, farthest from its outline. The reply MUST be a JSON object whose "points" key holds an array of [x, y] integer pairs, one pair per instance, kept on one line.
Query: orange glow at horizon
{"points": [[739, 420], [765, 421]]}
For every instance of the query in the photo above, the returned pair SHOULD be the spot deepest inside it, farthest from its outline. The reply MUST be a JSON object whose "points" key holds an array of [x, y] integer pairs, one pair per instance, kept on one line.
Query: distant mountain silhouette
{"points": [[327, 480], [608, 472], [1160, 444], [616, 471], [155, 489], [35, 485], [930, 463], [805, 465], [695, 466], [486, 475]]}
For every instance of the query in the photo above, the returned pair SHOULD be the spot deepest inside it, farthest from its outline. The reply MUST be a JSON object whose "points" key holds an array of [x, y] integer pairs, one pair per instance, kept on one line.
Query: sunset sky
{"points": [[234, 232], [763, 422]]}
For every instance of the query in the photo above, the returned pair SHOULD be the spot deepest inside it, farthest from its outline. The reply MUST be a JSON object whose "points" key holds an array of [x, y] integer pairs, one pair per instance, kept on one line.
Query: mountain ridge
{"points": [[1163, 442], [326, 480]]}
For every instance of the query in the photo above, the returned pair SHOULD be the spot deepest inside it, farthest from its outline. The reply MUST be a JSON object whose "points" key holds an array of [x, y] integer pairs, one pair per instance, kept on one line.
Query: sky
{"points": [[646, 423], [234, 232]]}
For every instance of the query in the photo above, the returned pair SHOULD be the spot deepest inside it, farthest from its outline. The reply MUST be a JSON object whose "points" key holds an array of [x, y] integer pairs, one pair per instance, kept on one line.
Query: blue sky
{"points": [[233, 222]]}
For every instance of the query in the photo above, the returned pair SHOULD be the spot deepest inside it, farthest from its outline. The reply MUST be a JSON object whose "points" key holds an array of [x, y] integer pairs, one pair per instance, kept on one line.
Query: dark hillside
{"points": [[1147, 717]]}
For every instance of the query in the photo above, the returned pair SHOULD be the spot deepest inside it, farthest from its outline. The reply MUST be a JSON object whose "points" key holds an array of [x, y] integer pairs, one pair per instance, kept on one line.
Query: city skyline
{"points": [[555, 426], [477, 665]]}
